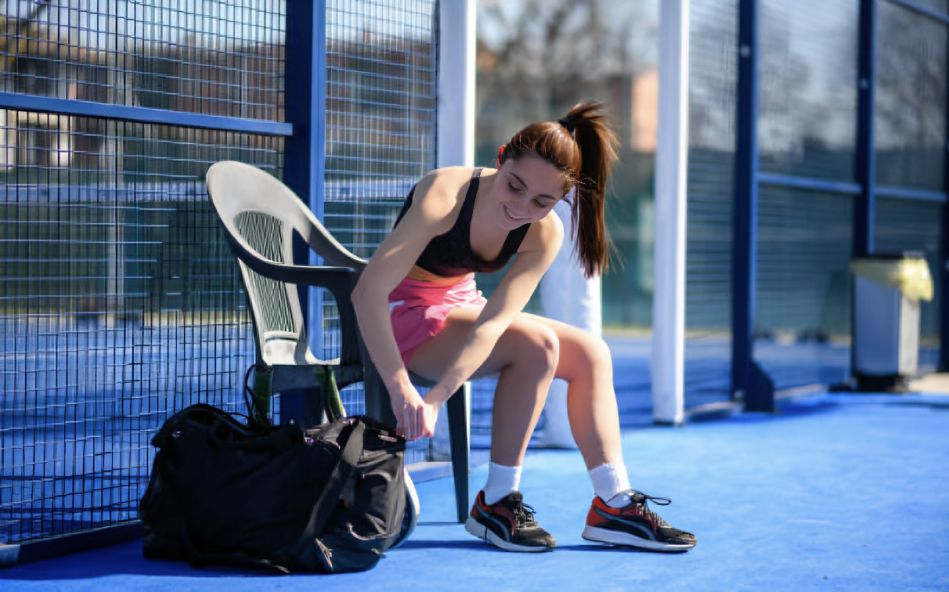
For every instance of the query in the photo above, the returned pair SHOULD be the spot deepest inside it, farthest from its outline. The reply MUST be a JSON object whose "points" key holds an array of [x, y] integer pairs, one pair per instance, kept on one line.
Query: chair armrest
{"points": [[338, 280]]}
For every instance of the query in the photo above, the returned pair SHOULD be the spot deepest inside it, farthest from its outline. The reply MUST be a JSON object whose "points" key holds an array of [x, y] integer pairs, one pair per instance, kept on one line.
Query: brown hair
{"points": [[583, 148]]}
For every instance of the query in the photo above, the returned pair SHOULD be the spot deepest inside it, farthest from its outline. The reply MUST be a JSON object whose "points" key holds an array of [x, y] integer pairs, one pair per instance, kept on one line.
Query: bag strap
{"points": [[334, 486]]}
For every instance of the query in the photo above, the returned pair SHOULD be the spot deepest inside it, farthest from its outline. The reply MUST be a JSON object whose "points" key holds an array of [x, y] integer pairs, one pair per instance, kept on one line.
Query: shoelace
{"points": [[524, 514], [641, 498]]}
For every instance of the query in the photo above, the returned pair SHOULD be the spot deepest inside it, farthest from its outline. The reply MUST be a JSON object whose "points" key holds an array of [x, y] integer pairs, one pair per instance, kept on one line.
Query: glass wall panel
{"points": [[911, 99], [536, 60], [904, 225], [712, 103], [803, 294], [807, 76]]}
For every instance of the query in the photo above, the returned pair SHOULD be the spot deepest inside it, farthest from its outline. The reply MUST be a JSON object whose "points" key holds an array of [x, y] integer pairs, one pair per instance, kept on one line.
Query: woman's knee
{"points": [[590, 353], [600, 351], [537, 346]]}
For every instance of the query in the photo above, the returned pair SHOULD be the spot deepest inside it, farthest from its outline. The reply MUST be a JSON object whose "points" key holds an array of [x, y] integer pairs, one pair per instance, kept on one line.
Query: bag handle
{"points": [[171, 424], [334, 486], [278, 440]]}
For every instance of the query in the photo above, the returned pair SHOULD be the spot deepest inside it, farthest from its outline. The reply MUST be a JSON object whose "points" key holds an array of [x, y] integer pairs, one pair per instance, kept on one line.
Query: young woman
{"points": [[418, 308]]}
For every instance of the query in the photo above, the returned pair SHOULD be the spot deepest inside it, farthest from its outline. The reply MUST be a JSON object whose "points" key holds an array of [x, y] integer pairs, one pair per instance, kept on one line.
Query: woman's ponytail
{"points": [[583, 148], [598, 145]]}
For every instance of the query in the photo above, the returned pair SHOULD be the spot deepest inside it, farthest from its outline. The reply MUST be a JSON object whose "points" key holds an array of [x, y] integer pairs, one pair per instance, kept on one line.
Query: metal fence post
{"points": [[668, 335], [943, 270], [864, 206], [305, 98], [746, 383]]}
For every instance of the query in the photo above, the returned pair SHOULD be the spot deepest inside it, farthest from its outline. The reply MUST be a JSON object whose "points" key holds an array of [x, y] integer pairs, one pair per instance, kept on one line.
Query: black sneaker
{"points": [[635, 525], [508, 524]]}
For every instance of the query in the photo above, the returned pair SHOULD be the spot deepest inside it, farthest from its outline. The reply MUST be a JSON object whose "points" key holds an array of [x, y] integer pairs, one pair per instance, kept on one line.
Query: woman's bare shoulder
{"points": [[441, 191]]}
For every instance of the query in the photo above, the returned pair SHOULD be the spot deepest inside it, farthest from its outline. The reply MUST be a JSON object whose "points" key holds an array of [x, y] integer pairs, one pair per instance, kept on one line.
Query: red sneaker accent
{"points": [[628, 511]]}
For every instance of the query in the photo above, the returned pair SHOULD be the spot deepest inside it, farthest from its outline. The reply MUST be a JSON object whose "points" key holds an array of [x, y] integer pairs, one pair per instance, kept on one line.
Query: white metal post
{"points": [[668, 341], [456, 82]]}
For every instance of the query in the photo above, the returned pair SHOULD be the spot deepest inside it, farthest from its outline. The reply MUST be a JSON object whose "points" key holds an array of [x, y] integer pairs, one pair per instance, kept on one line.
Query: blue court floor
{"points": [[836, 492]]}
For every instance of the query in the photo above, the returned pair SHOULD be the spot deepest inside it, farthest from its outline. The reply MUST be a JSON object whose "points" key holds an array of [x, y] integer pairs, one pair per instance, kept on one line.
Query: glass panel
{"points": [[536, 60], [803, 302], [808, 101], [712, 104], [911, 99], [904, 225]]}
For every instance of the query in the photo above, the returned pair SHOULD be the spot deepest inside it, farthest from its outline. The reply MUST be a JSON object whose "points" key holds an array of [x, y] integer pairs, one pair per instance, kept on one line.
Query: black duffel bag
{"points": [[330, 499]]}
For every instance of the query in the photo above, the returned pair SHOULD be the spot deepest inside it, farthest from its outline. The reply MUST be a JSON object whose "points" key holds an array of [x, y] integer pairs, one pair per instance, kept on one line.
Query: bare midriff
{"points": [[422, 275]]}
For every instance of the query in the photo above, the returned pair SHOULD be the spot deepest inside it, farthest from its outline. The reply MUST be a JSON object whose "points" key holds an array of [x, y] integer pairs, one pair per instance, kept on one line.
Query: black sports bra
{"points": [[450, 254]]}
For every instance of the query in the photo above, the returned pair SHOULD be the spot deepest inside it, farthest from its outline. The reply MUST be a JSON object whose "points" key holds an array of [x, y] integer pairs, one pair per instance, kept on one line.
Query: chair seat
{"points": [[285, 352]]}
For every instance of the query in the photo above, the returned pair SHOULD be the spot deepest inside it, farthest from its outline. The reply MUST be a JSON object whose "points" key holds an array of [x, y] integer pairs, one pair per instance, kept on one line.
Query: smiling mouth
{"points": [[513, 217]]}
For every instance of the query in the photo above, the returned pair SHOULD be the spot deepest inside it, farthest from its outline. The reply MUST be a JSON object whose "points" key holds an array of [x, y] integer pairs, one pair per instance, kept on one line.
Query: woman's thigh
{"points": [[526, 339]]}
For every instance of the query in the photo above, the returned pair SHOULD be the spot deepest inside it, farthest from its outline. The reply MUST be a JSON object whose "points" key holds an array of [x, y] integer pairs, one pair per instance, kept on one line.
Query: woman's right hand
{"points": [[416, 417]]}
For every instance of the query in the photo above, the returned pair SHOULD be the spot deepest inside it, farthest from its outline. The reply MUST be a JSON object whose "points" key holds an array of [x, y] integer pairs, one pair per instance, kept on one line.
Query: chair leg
{"points": [[377, 396], [458, 434]]}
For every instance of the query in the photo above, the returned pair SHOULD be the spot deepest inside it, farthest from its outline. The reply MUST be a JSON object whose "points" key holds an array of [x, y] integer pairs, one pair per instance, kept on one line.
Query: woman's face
{"points": [[526, 190]]}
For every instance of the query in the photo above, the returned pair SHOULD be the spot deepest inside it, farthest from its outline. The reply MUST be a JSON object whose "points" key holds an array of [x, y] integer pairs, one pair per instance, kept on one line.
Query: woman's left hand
{"points": [[418, 418]]}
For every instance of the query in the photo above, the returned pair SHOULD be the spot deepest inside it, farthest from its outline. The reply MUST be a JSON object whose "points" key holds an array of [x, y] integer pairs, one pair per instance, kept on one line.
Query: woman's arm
{"points": [[537, 252], [435, 199]]}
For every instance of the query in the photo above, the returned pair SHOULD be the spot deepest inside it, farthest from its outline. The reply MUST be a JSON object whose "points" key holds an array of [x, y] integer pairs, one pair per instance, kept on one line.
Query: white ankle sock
{"points": [[501, 481], [609, 482]]}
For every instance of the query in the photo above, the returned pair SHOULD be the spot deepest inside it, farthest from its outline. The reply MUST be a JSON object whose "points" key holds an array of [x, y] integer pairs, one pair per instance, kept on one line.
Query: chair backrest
{"points": [[260, 217]]}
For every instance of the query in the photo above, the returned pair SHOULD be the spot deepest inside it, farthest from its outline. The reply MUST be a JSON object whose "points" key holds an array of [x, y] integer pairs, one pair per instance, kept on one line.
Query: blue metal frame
{"points": [[943, 270], [23, 102], [808, 183], [745, 229], [865, 204], [913, 194], [305, 97]]}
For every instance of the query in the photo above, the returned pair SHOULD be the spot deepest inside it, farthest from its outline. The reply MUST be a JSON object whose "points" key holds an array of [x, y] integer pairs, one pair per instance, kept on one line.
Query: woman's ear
{"points": [[500, 152]]}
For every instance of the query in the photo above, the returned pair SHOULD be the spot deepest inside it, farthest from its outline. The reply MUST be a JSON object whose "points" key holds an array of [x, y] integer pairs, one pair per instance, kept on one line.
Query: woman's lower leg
{"points": [[518, 402]]}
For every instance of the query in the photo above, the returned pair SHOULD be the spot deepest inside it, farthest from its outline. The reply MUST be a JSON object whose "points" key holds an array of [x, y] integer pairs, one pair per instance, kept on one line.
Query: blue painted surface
{"points": [[25, 102], [845, 492]]}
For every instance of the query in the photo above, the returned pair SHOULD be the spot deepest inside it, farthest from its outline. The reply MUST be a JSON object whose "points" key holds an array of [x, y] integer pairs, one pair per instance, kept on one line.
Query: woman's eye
{"points": [[513, 188], [539, 203]]}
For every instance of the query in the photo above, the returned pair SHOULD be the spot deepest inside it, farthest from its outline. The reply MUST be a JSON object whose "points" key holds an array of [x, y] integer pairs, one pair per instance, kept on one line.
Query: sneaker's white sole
{"points": [[484, 533], [612, 537]]}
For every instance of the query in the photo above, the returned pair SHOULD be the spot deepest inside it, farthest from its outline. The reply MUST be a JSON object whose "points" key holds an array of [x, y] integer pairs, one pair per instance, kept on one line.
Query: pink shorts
{"points": [[418, 309]]}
